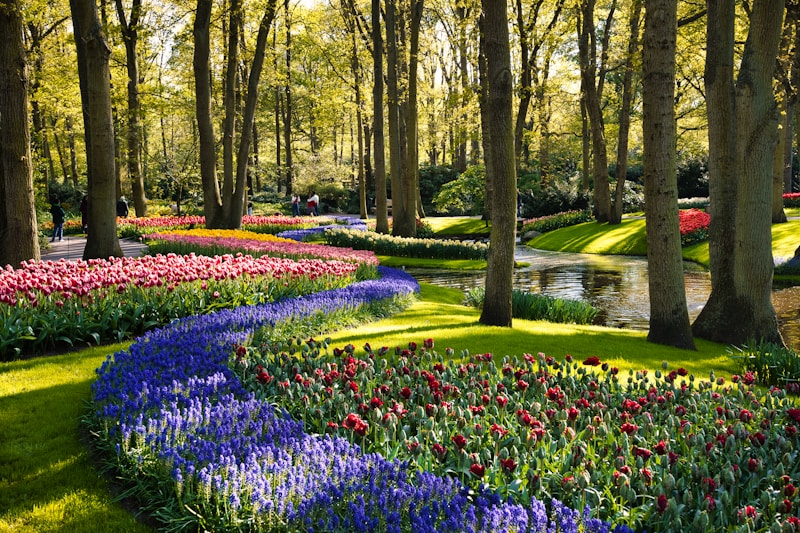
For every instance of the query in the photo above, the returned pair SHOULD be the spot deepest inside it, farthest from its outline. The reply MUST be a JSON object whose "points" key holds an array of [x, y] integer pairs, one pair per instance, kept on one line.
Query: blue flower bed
{"points": [[303, 234], [203, 453]]}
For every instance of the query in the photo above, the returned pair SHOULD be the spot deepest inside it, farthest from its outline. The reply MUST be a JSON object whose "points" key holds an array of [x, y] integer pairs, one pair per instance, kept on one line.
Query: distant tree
{"points": [[501, 165], [18, 231], [669, 317], [381, 209], [95, 81]]}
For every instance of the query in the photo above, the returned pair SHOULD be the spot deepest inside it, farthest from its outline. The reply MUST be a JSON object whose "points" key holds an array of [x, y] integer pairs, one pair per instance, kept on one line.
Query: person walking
{"points": [[295, 205], [313, 203], [122, 207], [85, 213], [58, 220]]}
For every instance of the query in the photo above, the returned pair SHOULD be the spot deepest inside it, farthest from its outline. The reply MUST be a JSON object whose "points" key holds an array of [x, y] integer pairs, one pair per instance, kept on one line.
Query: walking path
{"points": [[71, 248]]}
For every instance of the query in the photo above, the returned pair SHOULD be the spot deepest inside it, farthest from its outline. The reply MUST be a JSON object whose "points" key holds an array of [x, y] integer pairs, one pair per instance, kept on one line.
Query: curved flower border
{"points": [[172, 404]]}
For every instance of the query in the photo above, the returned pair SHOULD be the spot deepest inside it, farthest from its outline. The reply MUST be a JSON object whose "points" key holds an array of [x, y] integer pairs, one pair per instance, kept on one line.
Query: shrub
{"points": [[699, 202], [532, 306], [557, 197], [464, 195], [559, 220]]}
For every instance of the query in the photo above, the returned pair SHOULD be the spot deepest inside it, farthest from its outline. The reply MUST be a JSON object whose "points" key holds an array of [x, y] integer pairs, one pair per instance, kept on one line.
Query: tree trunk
{"points": [[381, 210], [73, 155], [95, 77], [393, 107], [18, 230], [486, 134], [779, 162], [742, 128], [130, 36], [591, 75], [615, 216], [500, 267], [237, 195], [212, 205], [287, 118], [669, 316]]}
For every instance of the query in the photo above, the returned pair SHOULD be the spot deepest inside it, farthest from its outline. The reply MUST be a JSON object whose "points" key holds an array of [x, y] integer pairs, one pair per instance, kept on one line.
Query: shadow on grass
{"points": [[47, 477]]}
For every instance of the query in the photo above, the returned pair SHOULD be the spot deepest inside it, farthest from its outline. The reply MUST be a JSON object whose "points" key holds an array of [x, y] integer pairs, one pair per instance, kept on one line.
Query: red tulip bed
{"points": [[651, 450], [791, 199], [693, 225], [47, 305]]}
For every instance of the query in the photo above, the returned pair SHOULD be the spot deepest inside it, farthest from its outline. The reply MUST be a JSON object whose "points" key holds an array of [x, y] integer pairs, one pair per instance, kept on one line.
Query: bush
{"points": [[532, 306], [692, 176], [463, 196], [553, 222], [558, 197], [431, 181]]}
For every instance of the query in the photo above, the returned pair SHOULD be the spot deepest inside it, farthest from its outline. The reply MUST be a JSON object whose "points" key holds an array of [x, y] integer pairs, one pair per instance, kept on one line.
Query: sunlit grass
{"points": [[627, 238], [441, 316], [447, 264], [459, 226], [47, 480]]}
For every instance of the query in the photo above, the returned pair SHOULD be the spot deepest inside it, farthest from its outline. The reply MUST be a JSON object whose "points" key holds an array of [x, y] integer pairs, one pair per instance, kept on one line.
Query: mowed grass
{"points": [[47, 478], [474, 226], [630, 238], [441, 316]]}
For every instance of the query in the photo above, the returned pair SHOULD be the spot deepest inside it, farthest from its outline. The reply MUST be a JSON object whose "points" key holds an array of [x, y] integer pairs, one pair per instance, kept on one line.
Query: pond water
{"points": [[617, 285]]}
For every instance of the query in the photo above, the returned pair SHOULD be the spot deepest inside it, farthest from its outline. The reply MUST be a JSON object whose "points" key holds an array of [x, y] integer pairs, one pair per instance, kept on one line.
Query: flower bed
{"points": [[405, 247], [215, 242], [693, 226], [559, 220], [49, 304], [654, 452], [303, 234], [201, 449], [791, 199], [136, 227]]}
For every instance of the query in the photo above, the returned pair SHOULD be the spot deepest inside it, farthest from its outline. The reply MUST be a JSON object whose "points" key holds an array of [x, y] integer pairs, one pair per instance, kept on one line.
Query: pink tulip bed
{"points": [[216, 242], [693, 225], [50, 305], [653, 451]]}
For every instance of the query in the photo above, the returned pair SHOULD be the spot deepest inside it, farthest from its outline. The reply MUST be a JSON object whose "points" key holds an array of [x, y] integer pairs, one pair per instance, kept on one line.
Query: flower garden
{"points": [[230, 413]]}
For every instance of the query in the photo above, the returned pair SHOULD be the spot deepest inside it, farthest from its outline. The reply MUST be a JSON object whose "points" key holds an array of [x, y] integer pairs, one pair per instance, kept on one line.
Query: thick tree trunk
{"points": [[742, 128], [486, 134], [18, 229], [212, 205], [669, 316], [500, 267], [94, 74], [779, 163]]}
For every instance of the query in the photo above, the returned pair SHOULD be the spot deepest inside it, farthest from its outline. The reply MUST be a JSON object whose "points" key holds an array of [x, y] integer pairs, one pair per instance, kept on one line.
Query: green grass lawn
{"points": [[629, 238], [444, 226], [47, 479]]}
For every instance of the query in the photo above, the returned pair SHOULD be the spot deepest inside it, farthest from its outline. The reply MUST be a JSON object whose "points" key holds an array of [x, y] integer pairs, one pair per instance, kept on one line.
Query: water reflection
{"points": [[615, 284]]}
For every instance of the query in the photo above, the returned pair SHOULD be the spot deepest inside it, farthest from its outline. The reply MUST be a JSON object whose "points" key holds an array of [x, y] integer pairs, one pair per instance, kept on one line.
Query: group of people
{"points": [[59, 216], [312, 204]]}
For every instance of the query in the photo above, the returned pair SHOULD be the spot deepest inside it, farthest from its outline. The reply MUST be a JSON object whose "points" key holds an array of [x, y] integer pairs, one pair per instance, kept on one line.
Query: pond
{"points": [[617, 285]]}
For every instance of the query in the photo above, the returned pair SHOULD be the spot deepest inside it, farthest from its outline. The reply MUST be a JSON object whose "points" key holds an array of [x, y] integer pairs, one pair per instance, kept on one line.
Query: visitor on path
{"points": [[58, 220], [250, 208], [85, 213], [295, 205], [122, 207], [313, 204]]}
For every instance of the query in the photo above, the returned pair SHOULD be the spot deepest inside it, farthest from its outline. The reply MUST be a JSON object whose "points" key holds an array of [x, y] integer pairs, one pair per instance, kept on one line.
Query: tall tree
{"points": [[18, 231], [381, 210], [593, 77], [95, 81], [669, 316], [615, 216], [224, 206], [130, 36], [742, 128], [500, 266]]}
